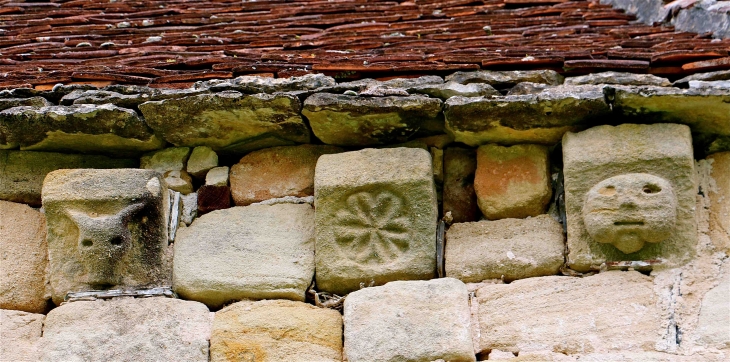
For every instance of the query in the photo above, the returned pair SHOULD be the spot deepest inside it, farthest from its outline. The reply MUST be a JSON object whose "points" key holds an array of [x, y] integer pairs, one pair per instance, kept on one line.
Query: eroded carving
{"points": [[630, 210], [374, 227]]}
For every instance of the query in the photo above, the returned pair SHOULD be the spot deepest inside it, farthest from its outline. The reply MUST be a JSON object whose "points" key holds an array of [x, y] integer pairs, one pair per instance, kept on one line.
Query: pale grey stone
{"points": [[6, 103], [629, 194], [217, 176], [189, 208], [127, 329], [20, 333], [447, 90], [201, 160], [506, 79], [249, 252], [708, 76], [376, 218], [523, 88], [168, 159], [409, 321], [622, 78], [717, 84], [179, 181], [254, 84], [713, 326]]}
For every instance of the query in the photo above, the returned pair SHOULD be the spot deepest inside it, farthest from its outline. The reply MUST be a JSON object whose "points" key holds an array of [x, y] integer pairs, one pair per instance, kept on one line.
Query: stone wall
{"points": [[486, 216]]}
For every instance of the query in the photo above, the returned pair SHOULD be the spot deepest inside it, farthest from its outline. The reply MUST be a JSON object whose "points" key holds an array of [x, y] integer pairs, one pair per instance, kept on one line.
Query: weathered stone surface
{"points": [[79, 128], [512, 182], [398, 86], [523, 88], [451, 89], [179, 181], [37, 102], [714, 319], [609, 312], [364, 121], [412, 82], [719, 84], [719, 195], [217, 176], [201, 160], [20, 333], [252, 252], [409, 321], [534, 118], [189, 207], [375, 219], [709, 76], [107, 229], [22, 172], [508, 249], [24, 258], [506, 79], [276, 330], [648, 12], [704, 110], [460, 199], [276, 172], [287, 200], [127, 329], [211, 198], [626, 186], [253, 84], [80, 96], [168, 159], [622, 78], [228, 122]]}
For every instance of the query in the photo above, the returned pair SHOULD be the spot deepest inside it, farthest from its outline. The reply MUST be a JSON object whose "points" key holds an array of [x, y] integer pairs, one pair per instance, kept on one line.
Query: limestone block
{"points": [[168, 159], [201, 160], [345, 120], [189, 208], [506, 249], [211, 198], [460, 199], [622, 78], [719, 195], [127, 329], [20, 333], [704, 110], [251, 252], [276, 330], [179, 181], [375, 218], [512, 182], [630, 194], [533, 118], [276, 172], [228, 122], [78, 128], [23, 171], [610, 312], [254, 84], [528, 88], [217, 176], [409, 321], [6, 103], [107, 229], [23, 258], [451, 89], [506, 79], [713, 327]]}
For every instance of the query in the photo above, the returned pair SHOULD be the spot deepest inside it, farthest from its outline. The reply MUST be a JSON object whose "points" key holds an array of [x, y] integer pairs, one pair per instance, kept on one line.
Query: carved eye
{"points": [[651, 189], [117, 240], [607, 191], [87, 242]]}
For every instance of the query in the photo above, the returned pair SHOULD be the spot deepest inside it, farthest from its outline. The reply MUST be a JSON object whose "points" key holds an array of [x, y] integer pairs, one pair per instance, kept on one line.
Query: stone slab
{"points": [[610, 312], [6, 103], [506, 79], [507, 249], [276, 172], [622, 78], [345, 120], [375, 218], [713, 327], [20, 333], [107, 229], [641, 194], [251, 252], [217, 176], [79, 128], [409, 321], [201, 160], [512, 182], [168, 159], [24, 258], [719, 195], [22, 172], [228, 122], [276, 330], [127, 329], [459, 196]]}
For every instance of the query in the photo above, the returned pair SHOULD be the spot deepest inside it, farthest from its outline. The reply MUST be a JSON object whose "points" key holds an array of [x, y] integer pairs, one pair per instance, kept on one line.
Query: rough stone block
{"points": [[447, 90], [506, 79], [719, 195], [713, 327], [533, 118], [375, 218], [460, 199], [201, 160], [168, 159], [20, 333], [622, 78], [189, 208], [23, 258], [512, 182], [251, 252], [630, 194], [228, 122], [276, 330], [179, 181], [506, 249], [610, 312], [6, 103], [276, 172], [22, 172], [79, 128], [218, 176], [106, 229], [127, 329], [345, 120], [409, 321], [211, 198]]}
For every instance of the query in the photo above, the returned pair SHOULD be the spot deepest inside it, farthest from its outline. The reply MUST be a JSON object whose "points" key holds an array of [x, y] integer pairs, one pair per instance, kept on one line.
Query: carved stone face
{"points": [[630, 210]]}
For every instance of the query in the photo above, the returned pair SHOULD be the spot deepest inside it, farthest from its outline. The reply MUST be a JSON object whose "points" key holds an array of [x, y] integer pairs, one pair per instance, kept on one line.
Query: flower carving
{"points": [[373, 228]]}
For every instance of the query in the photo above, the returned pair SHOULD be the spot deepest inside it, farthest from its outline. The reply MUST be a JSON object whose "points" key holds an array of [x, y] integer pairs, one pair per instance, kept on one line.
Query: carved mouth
{"points": [[629, 223]]}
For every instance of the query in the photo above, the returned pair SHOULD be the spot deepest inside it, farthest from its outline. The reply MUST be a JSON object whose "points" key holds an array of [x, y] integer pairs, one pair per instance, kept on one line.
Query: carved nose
{"points": [[627, 201]]}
